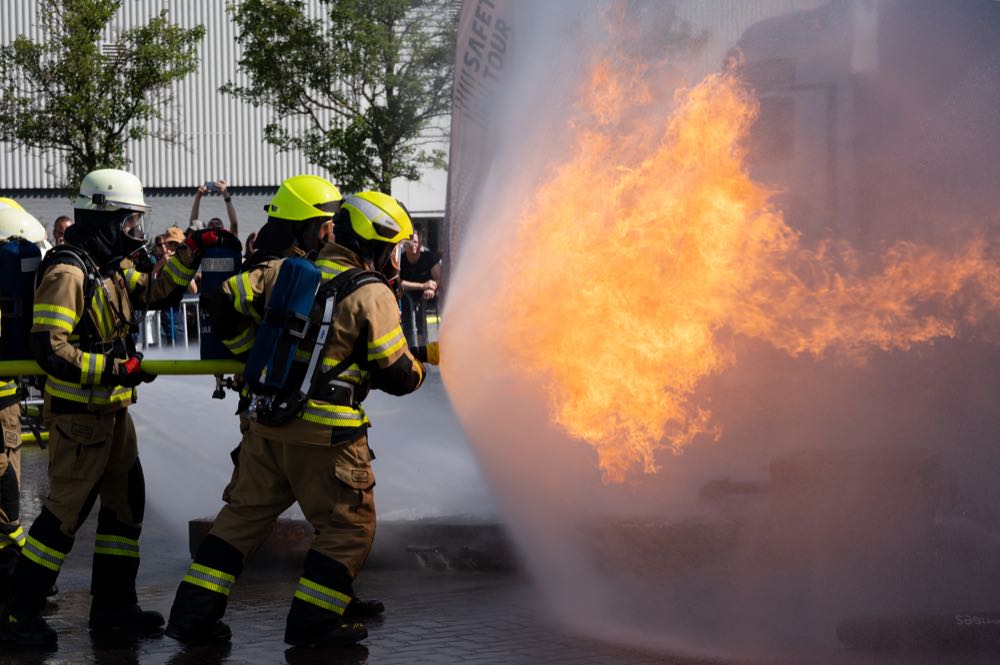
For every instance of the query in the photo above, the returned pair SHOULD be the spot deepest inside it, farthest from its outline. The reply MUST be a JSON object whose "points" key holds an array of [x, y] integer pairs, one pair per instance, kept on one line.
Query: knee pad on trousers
{"points": [[137, 492], [109, 523], [328, 572], [88, 505], [217, 553], [10, 493]]}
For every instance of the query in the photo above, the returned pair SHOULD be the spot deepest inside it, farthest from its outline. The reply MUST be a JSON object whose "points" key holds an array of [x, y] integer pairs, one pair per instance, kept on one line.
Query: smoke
{"points": [[830, 454]]}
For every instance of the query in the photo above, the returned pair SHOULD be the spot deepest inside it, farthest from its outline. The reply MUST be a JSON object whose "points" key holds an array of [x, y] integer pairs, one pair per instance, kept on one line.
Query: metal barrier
{"points": [[419, 318], [420, 321], [185, 335]]}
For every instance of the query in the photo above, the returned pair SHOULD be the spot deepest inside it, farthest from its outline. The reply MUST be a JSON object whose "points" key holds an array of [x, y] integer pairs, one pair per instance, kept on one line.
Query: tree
{"points": [[70, 95], [360, 91]]}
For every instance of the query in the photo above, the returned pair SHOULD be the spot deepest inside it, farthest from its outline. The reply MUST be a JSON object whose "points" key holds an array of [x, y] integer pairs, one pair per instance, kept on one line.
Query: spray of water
{"points": [[666, 264]]}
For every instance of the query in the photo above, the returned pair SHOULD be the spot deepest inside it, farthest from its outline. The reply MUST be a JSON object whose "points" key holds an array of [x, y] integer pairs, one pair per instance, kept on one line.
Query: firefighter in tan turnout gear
{"points": [[87, 294], [11, 533], [319, 456], [15, 223]]}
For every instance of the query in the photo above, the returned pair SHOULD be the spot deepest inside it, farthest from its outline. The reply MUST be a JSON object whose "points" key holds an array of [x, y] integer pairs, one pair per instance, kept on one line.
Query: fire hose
{"points": [[30, 367], [428, 354]]}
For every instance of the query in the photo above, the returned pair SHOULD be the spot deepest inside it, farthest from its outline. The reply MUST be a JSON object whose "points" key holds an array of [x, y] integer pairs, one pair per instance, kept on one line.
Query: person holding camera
{"points": [[214, 187]]}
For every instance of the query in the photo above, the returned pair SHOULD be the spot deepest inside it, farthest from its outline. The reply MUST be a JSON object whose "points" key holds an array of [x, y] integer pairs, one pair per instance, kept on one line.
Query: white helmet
{"points": [[110, 190], [16, 223]]}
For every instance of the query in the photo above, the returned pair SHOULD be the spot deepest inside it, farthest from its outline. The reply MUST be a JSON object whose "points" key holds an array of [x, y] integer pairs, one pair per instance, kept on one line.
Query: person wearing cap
{"points": [[320, 457], [82, 337]]}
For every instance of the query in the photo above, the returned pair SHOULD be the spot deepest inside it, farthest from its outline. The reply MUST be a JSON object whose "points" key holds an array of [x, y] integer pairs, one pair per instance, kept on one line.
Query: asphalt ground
{"points": [[432, 616], [429, 488]]}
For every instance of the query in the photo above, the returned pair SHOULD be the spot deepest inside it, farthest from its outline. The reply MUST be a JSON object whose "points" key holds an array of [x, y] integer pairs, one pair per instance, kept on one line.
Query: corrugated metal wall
{"points": [[223, 136]]}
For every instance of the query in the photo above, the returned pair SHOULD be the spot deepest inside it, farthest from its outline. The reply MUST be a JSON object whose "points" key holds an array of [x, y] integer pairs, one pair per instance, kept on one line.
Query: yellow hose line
{"points": [[29, 367], [28, 437]]}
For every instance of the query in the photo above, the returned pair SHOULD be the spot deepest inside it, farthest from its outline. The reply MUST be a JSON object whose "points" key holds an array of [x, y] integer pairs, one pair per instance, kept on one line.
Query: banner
{"points": [[482, 60]]}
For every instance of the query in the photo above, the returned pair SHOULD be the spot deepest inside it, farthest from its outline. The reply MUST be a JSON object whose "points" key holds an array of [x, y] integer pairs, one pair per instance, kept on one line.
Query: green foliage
{"points": [[68, 95], [360, 91]]}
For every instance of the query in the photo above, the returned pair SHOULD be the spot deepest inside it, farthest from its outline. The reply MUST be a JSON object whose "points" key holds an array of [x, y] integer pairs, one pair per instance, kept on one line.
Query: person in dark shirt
{"points": [[420, 275]]}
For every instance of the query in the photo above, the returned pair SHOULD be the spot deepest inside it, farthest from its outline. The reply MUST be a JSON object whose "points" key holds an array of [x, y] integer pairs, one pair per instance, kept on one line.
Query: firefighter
{"points": [[229, 314], [15, 222], [320, 457], [304, 201], [11, 533], [86, 301]]}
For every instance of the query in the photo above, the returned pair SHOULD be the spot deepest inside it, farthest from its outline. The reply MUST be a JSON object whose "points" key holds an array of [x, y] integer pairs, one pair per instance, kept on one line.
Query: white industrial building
{"points": [[222, 137]]}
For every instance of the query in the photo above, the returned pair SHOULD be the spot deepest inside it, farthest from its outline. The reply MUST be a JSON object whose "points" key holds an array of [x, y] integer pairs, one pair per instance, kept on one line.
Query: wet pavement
{"points": [[432, 616]]}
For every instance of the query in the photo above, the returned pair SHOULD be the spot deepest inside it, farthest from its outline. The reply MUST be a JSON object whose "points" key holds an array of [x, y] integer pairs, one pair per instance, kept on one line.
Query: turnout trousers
{"points": [[91, 456], [333, 485], [11, 534]]}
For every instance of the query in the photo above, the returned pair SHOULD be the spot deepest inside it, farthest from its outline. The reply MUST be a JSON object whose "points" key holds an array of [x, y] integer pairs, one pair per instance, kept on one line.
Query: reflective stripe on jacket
{"points": [[87, 339]]}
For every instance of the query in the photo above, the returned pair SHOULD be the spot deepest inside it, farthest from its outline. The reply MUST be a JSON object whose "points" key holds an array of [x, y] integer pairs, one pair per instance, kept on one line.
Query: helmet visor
{"points": [[132, 227], [397, 255]]}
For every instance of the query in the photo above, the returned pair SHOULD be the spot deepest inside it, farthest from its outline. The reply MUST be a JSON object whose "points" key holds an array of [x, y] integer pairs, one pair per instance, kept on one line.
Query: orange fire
{"points": [[651, 245]]}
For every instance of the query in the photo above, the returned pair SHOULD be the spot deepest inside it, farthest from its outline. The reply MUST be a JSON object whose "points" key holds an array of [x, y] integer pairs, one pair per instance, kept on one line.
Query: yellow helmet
{"points": [[305, 197], [378, 216], [9, 203]]}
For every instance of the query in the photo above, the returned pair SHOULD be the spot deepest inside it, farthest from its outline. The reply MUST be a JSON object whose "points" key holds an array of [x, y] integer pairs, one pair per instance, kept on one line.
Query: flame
{"points": [[650, 246]]}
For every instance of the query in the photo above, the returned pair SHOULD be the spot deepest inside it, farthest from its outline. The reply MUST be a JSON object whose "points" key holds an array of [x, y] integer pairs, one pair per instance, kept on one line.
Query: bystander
{"points": [[215, 187], [59, 229], [420, 278]]}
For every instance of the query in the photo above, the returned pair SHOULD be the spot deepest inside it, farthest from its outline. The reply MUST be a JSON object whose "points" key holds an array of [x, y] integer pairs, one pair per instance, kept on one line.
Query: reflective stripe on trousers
{"points": [[210, 578], [322, 596], [15, 537], [116, 546], [47, 557]]}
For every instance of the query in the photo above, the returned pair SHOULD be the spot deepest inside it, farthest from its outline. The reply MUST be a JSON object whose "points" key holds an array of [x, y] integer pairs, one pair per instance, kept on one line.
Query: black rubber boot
{"points": [[130, 619], [361, 610], [316, 618], [8, 560], [333, 634], [26, 630], [195, 633], [200, 603]]}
